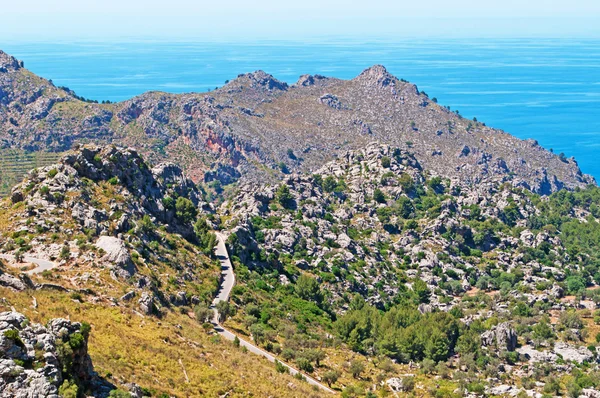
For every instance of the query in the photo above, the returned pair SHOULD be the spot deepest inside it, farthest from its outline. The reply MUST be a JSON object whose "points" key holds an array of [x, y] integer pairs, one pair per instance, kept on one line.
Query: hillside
{"points": [[102, 237], [256, 128], [491, 286]]}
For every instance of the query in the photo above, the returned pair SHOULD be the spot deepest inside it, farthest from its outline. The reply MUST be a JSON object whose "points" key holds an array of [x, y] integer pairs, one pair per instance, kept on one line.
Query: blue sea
{"points": [[544, 89]]}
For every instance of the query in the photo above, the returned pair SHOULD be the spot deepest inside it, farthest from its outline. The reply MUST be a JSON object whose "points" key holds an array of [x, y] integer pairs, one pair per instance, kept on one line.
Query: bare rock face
{"points": [[331, 101], [590, 393], [572, 353], [397, 383], [310, 80], [503, 336], [12, 282], [264, 80], [117, 255], [35, 360]]}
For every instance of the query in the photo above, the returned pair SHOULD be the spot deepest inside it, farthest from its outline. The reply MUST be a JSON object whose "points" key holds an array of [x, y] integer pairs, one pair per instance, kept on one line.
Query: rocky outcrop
{"points": [[397, 384], [109, 208], [153, 191], [35, 360], [117, 255], [502, 336], [331, 101], [565, 351], [146, 303]]}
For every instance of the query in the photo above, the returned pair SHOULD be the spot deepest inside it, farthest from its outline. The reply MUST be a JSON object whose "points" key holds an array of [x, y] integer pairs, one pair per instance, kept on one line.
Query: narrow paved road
{"points": [[42, 265], [227, 283], [227, 275]]}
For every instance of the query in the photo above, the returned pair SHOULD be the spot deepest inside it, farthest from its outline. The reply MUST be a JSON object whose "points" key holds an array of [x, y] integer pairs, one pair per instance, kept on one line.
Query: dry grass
{"points": [[148, 351]]}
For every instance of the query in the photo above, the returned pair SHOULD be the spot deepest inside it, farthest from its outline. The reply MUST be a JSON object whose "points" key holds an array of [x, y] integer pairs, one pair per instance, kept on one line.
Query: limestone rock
{"points": [[117, 255], [47, 373], [146, 303], [502, 335]]}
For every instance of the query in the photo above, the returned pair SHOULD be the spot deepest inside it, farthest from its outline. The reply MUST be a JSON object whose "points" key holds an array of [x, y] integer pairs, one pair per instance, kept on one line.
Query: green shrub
{"points": [[119, 394], [52, 173], [185, 210], [385, 162], [331, 376], [379, 196], [68, 389], [304, 365], [284, 197], [65, 252], [281, 368], [85, 329], [203, 313], [76, 340], [408, 383], [13, 335], [145, 224], [356, 368], [476, 387], [76, 296]]}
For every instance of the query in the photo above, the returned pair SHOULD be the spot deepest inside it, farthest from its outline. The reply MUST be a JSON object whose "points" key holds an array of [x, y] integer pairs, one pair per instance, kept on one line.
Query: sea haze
{"points": [[546, 89]]}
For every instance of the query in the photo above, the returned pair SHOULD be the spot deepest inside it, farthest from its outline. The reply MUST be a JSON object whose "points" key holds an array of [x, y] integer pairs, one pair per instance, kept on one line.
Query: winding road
{"points": [[227, 283], [42, 265]]}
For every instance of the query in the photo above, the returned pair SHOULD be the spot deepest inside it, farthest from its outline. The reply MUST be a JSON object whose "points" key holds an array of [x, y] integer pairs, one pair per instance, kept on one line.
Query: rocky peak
{"points": [[260, 79], [8, 62], [377, 75], [145, 191], [125, 164], [309, 80]]}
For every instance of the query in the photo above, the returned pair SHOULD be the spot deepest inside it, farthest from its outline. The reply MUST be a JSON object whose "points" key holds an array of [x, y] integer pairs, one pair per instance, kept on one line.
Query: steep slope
{"points": [[256, 127]]}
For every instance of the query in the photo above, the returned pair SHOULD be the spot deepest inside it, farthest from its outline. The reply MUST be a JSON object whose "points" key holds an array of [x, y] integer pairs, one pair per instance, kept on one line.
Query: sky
{"points": [[42, 20]]}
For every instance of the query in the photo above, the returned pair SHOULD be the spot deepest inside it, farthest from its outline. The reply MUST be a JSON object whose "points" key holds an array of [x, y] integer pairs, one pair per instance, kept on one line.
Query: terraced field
{"points": [[14, 164]]}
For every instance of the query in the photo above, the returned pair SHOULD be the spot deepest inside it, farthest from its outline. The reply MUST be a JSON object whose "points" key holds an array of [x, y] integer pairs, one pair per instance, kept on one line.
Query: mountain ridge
{"points": [[257, 128]]}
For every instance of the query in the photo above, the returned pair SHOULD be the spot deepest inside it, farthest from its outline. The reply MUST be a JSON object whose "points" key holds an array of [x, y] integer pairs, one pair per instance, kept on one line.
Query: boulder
{"points": [[146, 303], [572, 353], [590, 393], [179, 299], [502, 335], [127, 296], [116, 255]]}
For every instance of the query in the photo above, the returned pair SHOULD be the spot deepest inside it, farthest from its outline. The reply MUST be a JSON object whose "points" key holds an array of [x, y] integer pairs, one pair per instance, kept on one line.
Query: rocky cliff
{"points": [[51, 361], [256, 127]]}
